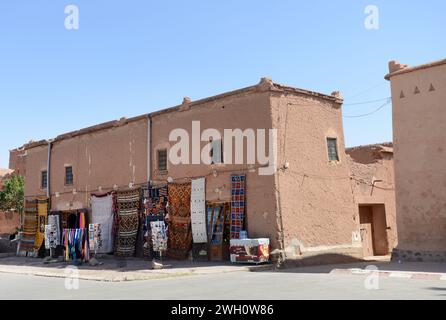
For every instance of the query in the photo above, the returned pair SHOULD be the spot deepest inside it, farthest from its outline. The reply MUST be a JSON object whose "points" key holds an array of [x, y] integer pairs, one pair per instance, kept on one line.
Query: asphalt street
{"points": [[237, 285]]}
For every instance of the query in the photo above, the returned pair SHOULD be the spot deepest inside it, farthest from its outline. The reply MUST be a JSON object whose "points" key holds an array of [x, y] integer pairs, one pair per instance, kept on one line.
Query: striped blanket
{"points": [[42, 221], [28, 235], [128, 203]]}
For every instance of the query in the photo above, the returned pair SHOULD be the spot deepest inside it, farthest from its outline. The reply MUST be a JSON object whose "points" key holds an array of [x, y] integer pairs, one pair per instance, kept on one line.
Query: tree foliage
{"points": [[12, 194]]}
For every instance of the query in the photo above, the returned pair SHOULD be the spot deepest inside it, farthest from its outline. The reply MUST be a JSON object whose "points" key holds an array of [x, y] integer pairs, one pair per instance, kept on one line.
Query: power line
{"points": [[370, 113], [367, 90], [366, 102]]}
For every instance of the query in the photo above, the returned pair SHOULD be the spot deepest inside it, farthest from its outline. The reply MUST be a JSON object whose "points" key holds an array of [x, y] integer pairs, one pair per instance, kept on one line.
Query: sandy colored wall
{"points": [[420, 152], [9, 222], [374, 163], [102, 159], [36, 160], [105, 158], [241, 111], [316, 197]]}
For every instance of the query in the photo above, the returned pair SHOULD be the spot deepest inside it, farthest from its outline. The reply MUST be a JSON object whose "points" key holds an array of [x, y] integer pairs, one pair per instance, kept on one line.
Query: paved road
{"points": [[239, 285]]}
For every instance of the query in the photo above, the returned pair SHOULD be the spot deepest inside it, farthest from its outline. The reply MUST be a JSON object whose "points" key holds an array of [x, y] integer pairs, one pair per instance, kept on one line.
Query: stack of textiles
{"points": [[128, 203], [28, 235], [180, 231], [238, 205]]}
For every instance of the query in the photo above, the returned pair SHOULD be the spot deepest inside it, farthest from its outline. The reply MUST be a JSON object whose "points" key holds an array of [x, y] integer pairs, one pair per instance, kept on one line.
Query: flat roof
{"points": [[415, 68], [264, 83]]}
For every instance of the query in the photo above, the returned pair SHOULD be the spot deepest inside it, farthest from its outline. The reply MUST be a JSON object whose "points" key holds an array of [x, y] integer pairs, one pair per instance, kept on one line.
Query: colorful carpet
{"points": [[28, 235], [128, 203], [180, 231], [238, 205], [102, 214], [154, 204], [42, 221]]}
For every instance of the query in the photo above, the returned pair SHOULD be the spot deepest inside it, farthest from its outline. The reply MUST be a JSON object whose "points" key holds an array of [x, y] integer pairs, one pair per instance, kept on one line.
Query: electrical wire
{"points": [[370, 113], [366, 102]]}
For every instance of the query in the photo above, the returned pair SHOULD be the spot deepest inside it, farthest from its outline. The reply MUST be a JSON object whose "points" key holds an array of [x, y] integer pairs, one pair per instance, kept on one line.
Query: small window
{"points": [[216, 152], [162, 160], [44, 180], [332, 144], [69, 176]]}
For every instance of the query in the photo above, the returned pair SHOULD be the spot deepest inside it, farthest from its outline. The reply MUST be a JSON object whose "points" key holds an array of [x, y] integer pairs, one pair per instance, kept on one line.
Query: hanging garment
{"points": [[28, 235], [198, 210], [52, 232], [180, 231], [238, 205], [102, 213], [54, 220], [95, 237], [42, 221], [76, 245], [128, 203], [159, 236]]}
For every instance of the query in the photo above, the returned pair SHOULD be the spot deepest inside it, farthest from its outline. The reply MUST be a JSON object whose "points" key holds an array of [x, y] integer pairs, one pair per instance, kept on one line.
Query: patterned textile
{"points": [[155, 200], [154, 205], [218, 221], [52, 232], [238, 205], [159, 236], [180, 231], [42, 218], [28, 236], [198, 211], [128, 203], [102, 213], [95, 237]]}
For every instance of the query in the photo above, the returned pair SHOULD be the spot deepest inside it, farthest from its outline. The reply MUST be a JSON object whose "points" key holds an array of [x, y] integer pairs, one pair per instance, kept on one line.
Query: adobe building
{"points": [[372, 178], [305, 208], [419, 125]]}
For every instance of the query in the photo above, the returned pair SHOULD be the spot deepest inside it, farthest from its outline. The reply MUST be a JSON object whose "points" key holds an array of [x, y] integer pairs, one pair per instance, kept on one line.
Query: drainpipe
{"points": [[48, 170], [149, 150]]}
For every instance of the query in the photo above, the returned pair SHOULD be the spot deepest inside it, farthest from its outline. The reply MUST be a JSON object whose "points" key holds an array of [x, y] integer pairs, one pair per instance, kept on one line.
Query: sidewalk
{"points": [[407, 270], [120, 269]]}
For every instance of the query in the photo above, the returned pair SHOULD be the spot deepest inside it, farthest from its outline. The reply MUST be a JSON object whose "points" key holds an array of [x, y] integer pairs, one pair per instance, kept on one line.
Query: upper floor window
{"points": [[44, 179], [332, 144], [69, 177], [162, 160], [217, 151]]}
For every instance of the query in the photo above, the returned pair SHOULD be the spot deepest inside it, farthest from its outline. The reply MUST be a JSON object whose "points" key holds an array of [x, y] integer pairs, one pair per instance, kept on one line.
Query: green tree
{"points": [[12, 194]]}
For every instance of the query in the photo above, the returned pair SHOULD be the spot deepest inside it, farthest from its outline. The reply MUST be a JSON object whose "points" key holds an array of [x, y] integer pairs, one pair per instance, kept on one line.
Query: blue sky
{"points": [[132, 57]]}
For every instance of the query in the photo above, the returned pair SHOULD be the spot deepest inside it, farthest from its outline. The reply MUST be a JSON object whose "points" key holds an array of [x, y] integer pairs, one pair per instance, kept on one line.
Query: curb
{"points": [[120, 276], [392, 274]]}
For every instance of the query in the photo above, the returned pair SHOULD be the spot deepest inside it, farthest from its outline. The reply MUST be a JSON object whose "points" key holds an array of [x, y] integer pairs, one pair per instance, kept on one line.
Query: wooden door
{"points": [[366, 221]]}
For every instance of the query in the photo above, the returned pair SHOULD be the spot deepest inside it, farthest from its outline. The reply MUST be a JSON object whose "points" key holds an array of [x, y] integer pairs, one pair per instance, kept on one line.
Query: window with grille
{"points": [[332, 144], [44, 180], [69, 177], [162, 160]]}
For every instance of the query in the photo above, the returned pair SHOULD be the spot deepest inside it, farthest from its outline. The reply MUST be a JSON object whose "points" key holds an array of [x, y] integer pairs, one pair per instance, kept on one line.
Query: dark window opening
{"points": [[332, 144], [162, 160], [44, 180], [69, 176], [217, 151]]}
